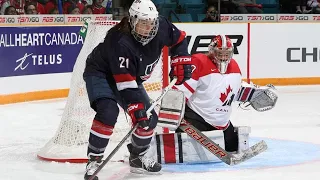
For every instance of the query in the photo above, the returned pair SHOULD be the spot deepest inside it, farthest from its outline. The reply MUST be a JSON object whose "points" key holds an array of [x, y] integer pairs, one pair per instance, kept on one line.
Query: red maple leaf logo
{"points": [[223, 96]]}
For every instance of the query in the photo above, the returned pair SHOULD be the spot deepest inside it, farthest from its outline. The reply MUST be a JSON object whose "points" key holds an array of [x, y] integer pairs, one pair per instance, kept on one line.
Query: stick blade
{"points": [[250, 153]]}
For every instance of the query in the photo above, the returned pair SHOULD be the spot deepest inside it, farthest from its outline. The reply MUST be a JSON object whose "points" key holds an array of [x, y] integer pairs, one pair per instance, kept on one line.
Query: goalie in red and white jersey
{"points": [[214, 85], [215, 82]]}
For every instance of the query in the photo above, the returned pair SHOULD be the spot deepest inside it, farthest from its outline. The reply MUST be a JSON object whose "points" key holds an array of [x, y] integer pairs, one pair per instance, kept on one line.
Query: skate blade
{"points": [[143, 171]]}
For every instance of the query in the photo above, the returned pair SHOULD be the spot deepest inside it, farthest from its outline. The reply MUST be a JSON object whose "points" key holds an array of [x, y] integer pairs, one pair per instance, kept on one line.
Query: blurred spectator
{"points": [[43, 2], [80, 5], [212, 15], [285, 6], [84, 2], [109, 7], [4, 5], [10, 10], [68, 3], [51, 5], [301, 6], [97, 7], [247, 6], [40, 8], [225, 5], [315, 5], [54, 11], [87, 10], [126, 4], [30, 8], [73, 9]]}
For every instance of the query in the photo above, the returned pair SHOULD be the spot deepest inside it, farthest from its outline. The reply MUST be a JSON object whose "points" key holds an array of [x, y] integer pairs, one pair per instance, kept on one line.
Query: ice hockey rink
{"points": [[291, 130]]}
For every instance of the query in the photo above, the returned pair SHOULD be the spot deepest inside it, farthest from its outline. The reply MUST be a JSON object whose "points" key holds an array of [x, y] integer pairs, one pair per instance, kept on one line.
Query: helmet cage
{"points": [[221, 56], [144, 30]]}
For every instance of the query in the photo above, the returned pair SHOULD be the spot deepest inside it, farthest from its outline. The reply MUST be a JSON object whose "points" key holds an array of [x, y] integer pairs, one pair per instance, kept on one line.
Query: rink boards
{"points": [[37, 54]]}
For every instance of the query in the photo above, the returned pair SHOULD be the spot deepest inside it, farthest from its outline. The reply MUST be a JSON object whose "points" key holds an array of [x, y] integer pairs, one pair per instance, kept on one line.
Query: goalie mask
{"points": [[221, 51], [143, 20]]}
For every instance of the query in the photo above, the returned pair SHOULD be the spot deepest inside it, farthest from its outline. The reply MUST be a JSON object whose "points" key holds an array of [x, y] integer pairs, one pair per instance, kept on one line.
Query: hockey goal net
{"points": [[69, 144]]}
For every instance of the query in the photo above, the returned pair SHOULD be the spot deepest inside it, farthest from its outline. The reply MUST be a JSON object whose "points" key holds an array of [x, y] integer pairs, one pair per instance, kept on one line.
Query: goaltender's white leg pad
{"points": [[171, 109], [243, 136], [180, 148]]}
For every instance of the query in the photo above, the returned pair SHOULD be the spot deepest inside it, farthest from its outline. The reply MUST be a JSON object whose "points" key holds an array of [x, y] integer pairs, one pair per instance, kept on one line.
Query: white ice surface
{"points": [[26, 127]]}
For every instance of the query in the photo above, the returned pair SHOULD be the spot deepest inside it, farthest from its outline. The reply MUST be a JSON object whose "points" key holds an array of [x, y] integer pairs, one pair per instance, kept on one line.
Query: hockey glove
{"points": [[260, 98], [181, 69], [138, 115]]}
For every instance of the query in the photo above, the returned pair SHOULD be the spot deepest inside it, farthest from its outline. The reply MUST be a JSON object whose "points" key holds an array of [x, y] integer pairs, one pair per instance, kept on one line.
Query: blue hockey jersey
{"points": [[126, 63]]}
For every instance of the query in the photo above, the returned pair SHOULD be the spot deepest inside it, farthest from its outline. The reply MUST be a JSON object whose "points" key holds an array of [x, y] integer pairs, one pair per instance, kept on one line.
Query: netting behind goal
{"points": [[69, 144]]}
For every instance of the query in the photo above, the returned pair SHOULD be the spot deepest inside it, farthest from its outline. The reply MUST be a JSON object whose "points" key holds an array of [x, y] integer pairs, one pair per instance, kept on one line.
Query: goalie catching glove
{"points": [[260, 98], [181, 69]]}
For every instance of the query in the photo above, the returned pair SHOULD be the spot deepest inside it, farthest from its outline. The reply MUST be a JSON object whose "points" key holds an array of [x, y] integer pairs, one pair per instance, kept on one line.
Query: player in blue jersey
{"points": [[114, 73]]}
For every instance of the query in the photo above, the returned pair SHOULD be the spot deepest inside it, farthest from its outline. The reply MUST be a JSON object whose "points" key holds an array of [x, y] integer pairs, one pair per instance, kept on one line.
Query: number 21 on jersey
{"points": [[124, 62]]}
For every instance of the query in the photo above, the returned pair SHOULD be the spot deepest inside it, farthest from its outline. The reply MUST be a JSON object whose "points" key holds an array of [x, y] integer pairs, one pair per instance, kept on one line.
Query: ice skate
{"points": [[92, 165], [141, 164]]}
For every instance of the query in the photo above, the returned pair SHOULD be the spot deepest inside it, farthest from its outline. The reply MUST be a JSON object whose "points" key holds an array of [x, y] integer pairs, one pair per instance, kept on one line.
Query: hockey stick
{"points": [[113, 152], [219, 152]]}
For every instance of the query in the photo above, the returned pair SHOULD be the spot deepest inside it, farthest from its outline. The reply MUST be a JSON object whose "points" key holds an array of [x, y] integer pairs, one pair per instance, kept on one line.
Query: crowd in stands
{"points": [[175, 10], [14, 7], [209, 10]]}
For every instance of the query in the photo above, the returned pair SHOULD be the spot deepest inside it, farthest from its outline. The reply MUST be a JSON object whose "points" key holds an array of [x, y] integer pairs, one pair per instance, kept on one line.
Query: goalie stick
{"points": [[113, 152], [219, 152]]}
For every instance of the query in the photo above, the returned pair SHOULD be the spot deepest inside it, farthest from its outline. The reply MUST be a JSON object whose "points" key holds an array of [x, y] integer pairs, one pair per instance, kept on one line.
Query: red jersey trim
{"points": [[123, 78], [222, 127], [188, 87], [233, 67], [181, 38]]}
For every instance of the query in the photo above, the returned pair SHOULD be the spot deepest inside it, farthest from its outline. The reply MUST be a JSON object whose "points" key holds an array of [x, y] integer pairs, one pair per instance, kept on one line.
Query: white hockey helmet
{"points": [[221, 49], [144, 20]]}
